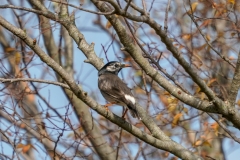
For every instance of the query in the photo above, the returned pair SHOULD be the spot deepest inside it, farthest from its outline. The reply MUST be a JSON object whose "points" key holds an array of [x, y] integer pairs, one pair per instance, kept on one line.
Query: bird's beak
{"points": [[125, 65]]}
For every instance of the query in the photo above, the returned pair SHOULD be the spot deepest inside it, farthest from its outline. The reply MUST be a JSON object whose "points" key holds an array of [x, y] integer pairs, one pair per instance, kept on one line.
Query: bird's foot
{"points": [[108, 105], [123, 116]]}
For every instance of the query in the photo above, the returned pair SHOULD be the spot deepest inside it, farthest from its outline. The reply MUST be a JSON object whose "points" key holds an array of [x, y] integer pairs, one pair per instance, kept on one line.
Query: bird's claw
{"points": [[108, 105]]}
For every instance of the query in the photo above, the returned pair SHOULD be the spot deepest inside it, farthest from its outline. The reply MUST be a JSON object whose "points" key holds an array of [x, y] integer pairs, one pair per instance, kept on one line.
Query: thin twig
{"points": [[144, 7], [37, 11], [128, 4], [166, 16], [119, 143], [105, 52], [224, 128], [153, 61], [204, 37], [135, 7], [11, 80], [80, 8]]}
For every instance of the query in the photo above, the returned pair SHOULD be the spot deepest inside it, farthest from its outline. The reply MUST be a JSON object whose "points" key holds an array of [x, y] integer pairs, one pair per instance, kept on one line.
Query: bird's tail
{"points": [[134, 112]]}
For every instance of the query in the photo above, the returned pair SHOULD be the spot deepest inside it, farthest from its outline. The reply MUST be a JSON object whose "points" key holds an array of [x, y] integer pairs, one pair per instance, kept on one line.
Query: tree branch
{"points": [[167, 145], [235, 85], [12, 80]]}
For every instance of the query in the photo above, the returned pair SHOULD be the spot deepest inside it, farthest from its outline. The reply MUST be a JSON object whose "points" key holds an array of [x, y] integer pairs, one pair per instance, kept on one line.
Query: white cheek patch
{"points": [[109, 68], [130, 98]]}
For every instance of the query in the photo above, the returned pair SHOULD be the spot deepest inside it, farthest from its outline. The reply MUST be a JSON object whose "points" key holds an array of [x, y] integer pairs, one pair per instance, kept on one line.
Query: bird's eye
{"points": [[116, 65]]}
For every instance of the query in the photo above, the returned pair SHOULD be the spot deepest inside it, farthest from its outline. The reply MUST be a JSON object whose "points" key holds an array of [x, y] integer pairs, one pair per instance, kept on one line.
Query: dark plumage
{"points": [[113, 89]]}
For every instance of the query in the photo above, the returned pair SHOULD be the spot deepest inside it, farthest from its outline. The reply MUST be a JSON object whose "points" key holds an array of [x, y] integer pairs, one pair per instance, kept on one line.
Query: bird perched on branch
{"points": [[114, 90]]}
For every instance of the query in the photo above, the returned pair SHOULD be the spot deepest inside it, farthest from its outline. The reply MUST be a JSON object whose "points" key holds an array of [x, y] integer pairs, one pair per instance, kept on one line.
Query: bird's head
{"points": [[112, 67]]}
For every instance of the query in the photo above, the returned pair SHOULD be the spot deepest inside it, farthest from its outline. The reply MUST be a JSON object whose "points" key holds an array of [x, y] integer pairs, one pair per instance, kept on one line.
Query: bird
{"points": [[114, 90]]}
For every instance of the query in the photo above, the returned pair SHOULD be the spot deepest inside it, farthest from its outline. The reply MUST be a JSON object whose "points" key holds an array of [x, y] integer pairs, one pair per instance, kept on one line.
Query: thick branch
{"points": [[219, 106], [81, 110], [134, 51], [167, 145]]}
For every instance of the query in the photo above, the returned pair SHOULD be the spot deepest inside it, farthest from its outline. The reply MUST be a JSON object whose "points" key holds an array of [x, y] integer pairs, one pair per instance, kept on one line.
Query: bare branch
{"points": [[165, 144], [12, 80], [35, 11], [219, 54], [235, 85], [166, 16]]}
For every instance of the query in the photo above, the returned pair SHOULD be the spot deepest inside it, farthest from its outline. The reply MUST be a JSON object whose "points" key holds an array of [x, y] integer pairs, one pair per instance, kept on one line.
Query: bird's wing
{"points": [[113, 86]]}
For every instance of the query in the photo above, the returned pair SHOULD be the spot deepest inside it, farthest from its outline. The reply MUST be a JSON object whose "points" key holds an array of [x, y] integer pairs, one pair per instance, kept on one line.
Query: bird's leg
{"points": [[108, 105], [124, 113]]}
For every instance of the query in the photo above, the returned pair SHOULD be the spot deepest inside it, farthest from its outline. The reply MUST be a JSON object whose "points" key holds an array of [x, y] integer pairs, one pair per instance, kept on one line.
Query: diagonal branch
{"points": [[235, 85], [219, 106], [167, 145], [81, 110], [225, 128], [98, 63], [206, 40]]}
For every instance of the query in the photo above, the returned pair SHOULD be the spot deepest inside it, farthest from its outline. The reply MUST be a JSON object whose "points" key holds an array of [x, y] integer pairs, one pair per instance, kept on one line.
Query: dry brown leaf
{"points": [[205, 23], [71, 135], [52, 155], [198, 90], [206, 143], [159, 116], [171, 107], [238, 103], [108, 25], [197, 143], [215, 128], [26, 148], [18, 58], [80, 129], [9, 49], [214, 5], [138, 73], [165, 154], [197, 64], [193, 7], [174, 158], [233, 34], [231, 58], [186, 37], [172, 100], [20, 145], [22, 125], [211, 81], [176, 119], [139, 90], [208, 37], [163, 99], [166, 93], [185, 110], [126, 135], [181, 47], [231, 1], [176, 44], [172, 104], [138, 125]]}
